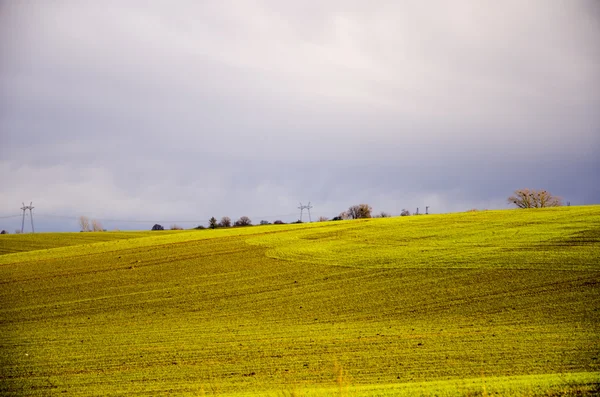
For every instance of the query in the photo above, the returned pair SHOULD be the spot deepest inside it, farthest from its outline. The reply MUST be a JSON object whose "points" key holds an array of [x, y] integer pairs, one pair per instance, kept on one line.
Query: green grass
{"points": [[557, 238], [504, 302], [12, 243]]}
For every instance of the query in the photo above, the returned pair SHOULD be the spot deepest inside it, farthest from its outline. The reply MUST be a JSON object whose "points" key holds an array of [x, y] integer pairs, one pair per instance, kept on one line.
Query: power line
{"points": [[10, 216], [71, 217]]}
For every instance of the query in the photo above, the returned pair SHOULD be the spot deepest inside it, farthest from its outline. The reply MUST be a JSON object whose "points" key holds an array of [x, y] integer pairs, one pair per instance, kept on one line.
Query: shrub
{"points": [[157, 227]]}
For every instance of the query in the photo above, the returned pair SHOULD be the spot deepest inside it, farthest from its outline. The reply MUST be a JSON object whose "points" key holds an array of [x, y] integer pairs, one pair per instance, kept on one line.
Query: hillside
{"points": [[457, 304], [12, 243]]}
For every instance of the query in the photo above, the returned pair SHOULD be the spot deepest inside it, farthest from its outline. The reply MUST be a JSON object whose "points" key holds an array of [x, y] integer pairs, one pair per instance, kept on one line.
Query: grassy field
{"points": [[12, 243], [485, 303]]}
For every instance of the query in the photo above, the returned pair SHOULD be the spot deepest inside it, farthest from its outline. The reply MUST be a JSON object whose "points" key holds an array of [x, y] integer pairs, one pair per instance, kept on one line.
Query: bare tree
{"points": [[405, 212], [96, 225], [176, 227], [84, 223], [243, 221], [212, 223], [383, 214], [359, 211], [529, 198], [225, 222], [323, 219]]}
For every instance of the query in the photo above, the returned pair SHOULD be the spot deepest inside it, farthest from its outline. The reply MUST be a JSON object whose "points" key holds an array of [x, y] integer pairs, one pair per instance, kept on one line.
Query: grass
{"points": [[557, 238], [13, 243], [400, 306]]}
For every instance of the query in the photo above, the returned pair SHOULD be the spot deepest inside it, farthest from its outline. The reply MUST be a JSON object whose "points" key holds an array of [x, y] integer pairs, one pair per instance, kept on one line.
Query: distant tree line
{"points": [[522, 198], [359, 211]]}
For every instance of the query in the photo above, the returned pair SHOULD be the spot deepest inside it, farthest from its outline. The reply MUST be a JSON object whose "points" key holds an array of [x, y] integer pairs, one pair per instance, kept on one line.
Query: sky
{"points": [[143, 112]]}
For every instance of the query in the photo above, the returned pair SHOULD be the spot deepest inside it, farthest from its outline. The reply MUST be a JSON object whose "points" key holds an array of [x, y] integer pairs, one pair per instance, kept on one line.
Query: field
{"points": [[479, 303], [13, 243]]}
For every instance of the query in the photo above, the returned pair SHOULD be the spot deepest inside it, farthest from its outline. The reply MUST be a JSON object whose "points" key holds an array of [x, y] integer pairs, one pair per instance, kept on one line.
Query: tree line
{"points": [[521, 198]]}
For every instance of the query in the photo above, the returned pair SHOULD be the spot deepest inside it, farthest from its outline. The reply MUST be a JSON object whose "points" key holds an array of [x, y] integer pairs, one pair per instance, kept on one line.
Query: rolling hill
{"points": [[461, 304]]}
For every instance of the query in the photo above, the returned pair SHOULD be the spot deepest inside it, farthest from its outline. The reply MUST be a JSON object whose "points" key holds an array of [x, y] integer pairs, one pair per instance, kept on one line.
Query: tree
{"points": [[96, 225], [157, 227], [383, 214], [225, 222], [176, 227], [243, 221], [3, 232], [278, 222], [359, 211], [84, 223], [323, 219], [405, 213], [212, 223], [265, 223], [529, 198]]}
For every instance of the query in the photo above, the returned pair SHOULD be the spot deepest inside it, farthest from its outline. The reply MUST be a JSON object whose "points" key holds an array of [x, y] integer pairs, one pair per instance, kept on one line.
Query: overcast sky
{"points": [[179, 111]]}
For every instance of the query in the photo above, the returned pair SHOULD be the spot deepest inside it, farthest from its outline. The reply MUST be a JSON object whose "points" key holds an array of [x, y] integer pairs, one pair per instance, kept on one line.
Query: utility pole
{"points": [[305, 207], [25, 208], [427, 210], [417, 213]]}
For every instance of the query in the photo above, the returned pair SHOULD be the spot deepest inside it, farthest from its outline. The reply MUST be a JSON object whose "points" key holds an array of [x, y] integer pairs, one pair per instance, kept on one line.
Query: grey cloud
{"points": [[129, 110]]}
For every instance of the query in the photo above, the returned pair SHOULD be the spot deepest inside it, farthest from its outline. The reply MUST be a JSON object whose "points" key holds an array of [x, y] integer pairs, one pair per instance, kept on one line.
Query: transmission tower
{"points": [[305, 207], [25, 208]]}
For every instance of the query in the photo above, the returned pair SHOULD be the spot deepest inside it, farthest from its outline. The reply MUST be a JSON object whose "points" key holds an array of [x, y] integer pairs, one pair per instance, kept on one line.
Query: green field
{"points": [[479, 303], [12, 243]]}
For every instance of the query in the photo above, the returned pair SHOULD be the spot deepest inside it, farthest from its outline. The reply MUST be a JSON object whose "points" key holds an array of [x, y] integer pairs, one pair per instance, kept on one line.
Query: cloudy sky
{"points": [[179, 111]]}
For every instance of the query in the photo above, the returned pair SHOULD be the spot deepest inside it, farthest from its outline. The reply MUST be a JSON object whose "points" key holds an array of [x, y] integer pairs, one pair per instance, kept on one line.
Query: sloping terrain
{"points": [[343, 308], [12, 243]]}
